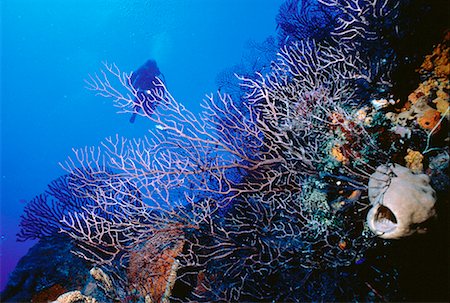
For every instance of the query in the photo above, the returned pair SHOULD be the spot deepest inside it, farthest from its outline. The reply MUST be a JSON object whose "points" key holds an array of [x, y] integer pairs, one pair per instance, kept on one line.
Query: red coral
{"points": [[48, 294]]}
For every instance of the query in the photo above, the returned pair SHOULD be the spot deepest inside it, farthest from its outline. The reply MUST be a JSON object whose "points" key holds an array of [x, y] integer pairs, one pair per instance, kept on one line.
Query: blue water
{"points": [[49, 46]]}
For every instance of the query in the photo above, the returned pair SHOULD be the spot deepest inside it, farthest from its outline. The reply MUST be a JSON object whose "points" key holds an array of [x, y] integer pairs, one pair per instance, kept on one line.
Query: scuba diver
{"points": [[143, 80]]}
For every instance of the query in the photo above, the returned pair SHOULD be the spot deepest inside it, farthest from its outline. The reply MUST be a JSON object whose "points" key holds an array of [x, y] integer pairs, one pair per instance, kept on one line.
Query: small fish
{"points": [[381, 103], [354, 196], [360, 260], [160, 127]]}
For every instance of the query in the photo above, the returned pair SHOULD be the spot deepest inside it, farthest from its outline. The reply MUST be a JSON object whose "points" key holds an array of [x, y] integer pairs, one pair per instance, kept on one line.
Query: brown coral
{"points": [[151, 269]]}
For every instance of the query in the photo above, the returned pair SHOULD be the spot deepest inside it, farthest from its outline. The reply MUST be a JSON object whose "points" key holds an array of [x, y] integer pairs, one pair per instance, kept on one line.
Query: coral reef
{"points": [[264, 197]]}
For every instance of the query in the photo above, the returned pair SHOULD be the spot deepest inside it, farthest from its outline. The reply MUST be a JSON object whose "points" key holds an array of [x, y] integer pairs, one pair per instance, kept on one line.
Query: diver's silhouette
{"points": [[143, 80]]}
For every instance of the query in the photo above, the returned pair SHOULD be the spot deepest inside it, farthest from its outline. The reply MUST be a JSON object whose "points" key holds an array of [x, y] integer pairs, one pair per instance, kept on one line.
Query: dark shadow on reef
{"points": [[423, 261], [48, 270]]}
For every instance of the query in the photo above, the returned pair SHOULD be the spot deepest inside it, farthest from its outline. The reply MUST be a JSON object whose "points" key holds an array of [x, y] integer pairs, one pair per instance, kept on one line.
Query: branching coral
{"points": [[42, 215], [361, 19], [304, 19], [229, 180]]}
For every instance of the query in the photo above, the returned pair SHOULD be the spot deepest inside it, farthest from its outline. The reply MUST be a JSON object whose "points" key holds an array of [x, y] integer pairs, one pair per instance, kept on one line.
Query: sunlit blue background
{"points": [[49, 47]]}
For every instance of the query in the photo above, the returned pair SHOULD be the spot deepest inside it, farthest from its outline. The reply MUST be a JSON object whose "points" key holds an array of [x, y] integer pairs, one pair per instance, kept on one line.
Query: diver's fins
{"points": [[133, 117]]}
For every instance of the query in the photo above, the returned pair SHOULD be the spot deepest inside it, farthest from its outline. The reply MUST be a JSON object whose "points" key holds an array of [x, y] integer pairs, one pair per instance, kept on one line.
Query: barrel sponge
{"points": [[401, 201]]}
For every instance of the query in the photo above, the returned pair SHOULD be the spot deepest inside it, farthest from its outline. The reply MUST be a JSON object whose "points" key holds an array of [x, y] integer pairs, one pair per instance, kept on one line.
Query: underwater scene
{"points": [[225, 151]]}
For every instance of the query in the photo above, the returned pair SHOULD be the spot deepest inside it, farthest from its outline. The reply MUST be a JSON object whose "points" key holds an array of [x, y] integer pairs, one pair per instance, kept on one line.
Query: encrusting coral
{"points": [[414, 160], [74, 297], [430, 101], [438, 61], [429, 119], [441, 102]]}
